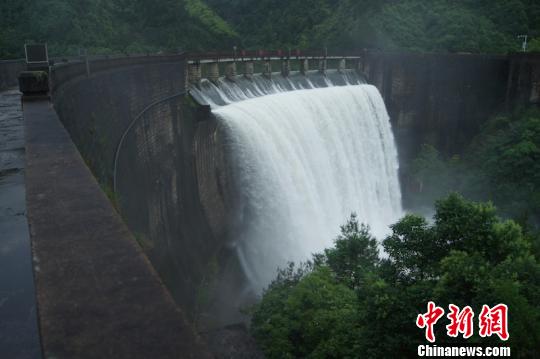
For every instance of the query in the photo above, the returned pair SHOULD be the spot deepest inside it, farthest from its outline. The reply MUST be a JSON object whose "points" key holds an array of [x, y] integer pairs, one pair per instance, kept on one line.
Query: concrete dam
{"points": [[222, 170]]}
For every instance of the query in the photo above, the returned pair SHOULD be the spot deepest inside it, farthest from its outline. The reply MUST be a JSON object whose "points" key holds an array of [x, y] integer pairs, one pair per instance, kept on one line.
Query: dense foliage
{"points": [[502, 164], [438, 25], [351, 302], [111, 26], [164, 25]]}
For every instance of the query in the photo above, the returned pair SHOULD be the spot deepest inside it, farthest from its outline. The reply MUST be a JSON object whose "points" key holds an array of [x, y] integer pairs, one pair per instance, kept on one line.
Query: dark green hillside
{"points": [[164, 25]]}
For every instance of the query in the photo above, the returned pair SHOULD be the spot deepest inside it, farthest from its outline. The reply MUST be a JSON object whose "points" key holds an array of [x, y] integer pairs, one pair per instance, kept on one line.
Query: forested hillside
{"points": [[163, 25], [110, 26]]}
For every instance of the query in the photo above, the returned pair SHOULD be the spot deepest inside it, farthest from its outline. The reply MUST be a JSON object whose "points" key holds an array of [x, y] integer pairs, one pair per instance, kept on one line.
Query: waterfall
{"points": [[304, 160]]}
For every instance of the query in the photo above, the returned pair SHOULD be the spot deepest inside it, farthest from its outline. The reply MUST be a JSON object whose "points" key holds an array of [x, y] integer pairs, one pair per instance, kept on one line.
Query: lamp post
{"points": [[524, 44]]}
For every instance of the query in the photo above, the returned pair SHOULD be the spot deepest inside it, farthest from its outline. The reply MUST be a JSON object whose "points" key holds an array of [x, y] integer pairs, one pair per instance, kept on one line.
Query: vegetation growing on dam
{"points": [[350, 301], [141, 25]]}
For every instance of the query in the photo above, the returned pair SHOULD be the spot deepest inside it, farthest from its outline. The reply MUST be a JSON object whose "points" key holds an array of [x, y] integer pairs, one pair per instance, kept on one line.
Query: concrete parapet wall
{"points": [[9, 71], [62, 73]]}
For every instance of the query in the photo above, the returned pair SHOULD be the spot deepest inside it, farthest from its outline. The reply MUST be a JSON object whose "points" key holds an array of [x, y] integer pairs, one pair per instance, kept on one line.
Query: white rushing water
{"points": [[305, 160]]}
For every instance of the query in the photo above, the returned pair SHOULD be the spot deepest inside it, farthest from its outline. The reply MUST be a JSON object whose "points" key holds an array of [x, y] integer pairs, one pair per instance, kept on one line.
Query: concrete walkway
{"points": [[19, 336], [98, 295]]}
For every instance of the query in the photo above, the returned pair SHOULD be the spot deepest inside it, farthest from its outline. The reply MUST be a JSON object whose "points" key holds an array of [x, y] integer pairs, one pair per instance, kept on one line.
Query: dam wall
{"points": [[135, 128], [523, 80], [438, 99]]}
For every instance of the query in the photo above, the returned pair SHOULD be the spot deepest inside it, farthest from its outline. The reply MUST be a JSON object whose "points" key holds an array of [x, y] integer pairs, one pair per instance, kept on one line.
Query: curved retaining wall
{"points": [[157, 186]]}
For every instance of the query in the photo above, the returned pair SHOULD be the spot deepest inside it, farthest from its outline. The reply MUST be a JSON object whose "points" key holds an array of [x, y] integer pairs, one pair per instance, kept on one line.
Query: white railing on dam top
{"points": [[271, 58]]}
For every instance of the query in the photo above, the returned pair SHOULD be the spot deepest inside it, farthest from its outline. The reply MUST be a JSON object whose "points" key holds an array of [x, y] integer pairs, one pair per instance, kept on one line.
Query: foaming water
{"points": [[304, 160], [225, 92]]}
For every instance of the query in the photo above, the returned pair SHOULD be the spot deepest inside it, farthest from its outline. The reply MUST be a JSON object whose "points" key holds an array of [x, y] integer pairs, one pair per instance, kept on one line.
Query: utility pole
{"points": [[524, 44]]}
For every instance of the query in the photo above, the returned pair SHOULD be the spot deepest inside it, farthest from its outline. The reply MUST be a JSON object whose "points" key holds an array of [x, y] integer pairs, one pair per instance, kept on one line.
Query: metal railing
{"points": [[130, 126], [245, 55]]}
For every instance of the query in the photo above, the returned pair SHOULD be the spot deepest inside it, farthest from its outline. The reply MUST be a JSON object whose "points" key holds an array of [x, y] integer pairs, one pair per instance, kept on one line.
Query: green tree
{"points": [[311, 316], [467, 256], [354, 255]]}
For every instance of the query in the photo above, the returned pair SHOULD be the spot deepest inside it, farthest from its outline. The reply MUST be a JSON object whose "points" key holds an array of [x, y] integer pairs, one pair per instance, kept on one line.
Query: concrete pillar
{"points": [[213, 71], [194, 74], [358, 65], [230, 71], [342, 65], [322, 66], [365, 68], [304, 66], [267, 69], [248, 69], [285, 68]]}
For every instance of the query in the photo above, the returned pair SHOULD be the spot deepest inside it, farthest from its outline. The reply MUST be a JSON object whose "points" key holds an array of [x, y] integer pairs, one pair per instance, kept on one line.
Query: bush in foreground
{"points": [[351, 302]]}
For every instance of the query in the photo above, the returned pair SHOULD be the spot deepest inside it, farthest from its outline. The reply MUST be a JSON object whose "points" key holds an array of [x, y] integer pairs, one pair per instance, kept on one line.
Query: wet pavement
{"points": [[19, 336]]}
